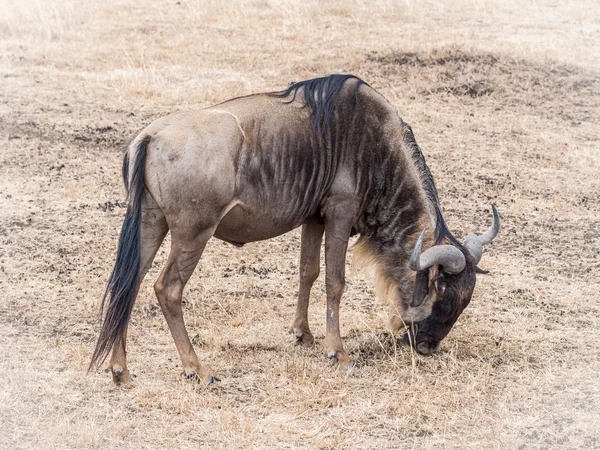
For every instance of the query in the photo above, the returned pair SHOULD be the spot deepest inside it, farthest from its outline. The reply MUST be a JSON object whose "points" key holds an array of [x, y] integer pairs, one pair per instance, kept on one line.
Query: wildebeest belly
{"points": [[244, 223]]}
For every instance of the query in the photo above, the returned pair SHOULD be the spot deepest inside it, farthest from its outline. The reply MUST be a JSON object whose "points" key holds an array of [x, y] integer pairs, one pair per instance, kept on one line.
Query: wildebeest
{"points": [[328, 154]]}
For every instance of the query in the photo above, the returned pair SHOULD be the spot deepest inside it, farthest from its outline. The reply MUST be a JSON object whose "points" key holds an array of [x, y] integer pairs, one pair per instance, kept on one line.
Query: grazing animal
{"points": [[330, 155]]}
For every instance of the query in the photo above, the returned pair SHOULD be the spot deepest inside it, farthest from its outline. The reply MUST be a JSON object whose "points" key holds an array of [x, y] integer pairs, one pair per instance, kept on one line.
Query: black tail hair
{"points": [[321, 95], [121, 288]]}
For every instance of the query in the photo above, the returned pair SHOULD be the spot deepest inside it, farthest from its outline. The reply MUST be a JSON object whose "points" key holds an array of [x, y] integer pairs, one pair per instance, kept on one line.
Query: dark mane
{"points": [[321, 96], [441, 230]]}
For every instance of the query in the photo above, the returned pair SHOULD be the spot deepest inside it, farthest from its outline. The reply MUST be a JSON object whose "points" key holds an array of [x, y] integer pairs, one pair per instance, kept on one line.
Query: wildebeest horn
{"points": [[474, 244], [447, 256]]}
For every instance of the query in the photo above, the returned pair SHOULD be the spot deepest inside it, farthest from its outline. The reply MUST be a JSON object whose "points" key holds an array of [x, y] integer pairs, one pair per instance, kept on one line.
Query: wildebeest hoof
{"points": [[345, 363], [304, 339], [427, 348], [346, 366], [212, 380], [190, 374], [120, 376]]}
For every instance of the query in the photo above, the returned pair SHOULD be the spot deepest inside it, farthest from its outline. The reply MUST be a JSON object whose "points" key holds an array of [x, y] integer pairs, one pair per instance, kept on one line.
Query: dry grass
{"points": [[504, 100]]}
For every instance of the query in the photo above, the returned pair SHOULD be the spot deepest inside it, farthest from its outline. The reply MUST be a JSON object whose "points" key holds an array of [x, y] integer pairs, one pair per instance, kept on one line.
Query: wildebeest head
{"points": [[445, 278]]}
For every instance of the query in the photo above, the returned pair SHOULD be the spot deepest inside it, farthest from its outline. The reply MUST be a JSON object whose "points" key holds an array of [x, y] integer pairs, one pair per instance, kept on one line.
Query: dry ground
{"points": [[504, 98]]}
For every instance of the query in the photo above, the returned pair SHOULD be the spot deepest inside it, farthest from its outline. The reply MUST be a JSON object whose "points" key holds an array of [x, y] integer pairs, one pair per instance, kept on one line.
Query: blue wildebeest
{"points": [[330, 155]]}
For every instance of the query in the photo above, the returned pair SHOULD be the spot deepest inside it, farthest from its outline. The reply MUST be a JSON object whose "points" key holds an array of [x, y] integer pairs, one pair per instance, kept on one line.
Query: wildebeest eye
{"points": [[440, 286]]}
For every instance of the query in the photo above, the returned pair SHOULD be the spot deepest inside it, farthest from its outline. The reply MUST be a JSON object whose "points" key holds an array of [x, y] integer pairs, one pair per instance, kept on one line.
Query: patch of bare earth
{"points": [[504, 99]]}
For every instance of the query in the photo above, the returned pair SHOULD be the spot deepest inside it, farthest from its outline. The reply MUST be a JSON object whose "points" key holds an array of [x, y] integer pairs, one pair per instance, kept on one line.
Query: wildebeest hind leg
{"points": [[153, 230], [312, 235], [185, 254]]}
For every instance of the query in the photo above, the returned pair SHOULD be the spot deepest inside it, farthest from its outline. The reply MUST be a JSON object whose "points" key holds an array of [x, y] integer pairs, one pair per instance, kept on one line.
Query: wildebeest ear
{"points": [[478, 270], [421, 287]]}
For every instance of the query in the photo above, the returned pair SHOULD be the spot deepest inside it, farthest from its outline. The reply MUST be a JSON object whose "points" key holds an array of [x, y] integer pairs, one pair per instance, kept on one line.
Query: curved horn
{"points": [[414, 263], [474, 244], [447, 256]]}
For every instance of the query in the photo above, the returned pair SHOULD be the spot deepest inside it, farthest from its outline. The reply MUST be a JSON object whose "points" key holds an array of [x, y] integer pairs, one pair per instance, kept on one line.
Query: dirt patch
{"points": [[508, 80]]}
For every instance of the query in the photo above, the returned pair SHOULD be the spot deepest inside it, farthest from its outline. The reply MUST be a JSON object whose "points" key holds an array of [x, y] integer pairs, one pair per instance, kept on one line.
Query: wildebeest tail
{"points": [[121, 288]]}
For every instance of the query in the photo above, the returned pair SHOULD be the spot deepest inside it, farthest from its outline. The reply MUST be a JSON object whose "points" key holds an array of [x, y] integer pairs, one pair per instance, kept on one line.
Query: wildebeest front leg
{"points": [[337, 233], [312, 235], [184, 256]]}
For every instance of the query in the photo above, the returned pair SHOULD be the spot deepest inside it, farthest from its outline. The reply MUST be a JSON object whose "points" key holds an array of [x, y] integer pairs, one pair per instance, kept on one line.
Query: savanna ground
{"points": [[504, 99]]}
